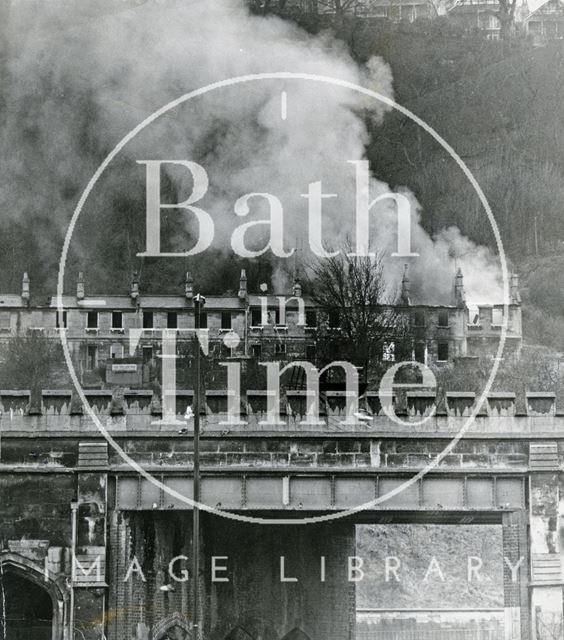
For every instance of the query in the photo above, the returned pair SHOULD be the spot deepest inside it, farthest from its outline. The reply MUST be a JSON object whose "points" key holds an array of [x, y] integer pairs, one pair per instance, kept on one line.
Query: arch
{"points": [[173, 627], [296, 634], [55, 587], [238, 633]]}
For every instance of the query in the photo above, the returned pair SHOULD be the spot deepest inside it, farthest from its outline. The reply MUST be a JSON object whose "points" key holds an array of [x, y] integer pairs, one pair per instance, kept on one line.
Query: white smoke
{"points": [[126, 60]]}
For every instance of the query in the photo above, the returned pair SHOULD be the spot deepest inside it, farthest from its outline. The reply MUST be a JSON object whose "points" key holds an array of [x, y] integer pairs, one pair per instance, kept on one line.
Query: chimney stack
{"points": [[80, 286], [405, 287], [25, 288], [243, 285], [189, 286], [297, 288], [515, 296], [134, 286], [459, 297]]}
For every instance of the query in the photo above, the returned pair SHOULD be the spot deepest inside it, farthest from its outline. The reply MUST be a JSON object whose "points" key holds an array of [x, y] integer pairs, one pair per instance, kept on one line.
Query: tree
{"points": [[29, 362], [506, 17], [358, 318]]}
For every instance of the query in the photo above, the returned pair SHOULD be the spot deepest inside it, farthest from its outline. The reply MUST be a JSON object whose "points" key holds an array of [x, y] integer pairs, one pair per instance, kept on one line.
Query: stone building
{"points": [[246, 326]]}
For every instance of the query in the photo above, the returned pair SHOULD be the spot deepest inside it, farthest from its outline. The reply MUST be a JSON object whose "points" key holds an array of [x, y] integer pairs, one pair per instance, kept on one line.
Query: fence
{"points": [[436, 633], [430, 624]]}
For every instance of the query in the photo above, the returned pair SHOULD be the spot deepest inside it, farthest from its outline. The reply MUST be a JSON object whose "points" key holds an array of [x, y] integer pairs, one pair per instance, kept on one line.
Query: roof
{"points": [[11, 300], [111, 303]]}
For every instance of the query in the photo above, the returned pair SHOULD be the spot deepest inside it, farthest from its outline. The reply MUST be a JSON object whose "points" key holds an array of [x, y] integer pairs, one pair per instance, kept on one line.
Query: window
{"points": [[389, 352], [226, 319], [148, 319], [147, 354], [497, 316], [172, 320], [257, 351], [274, 316], [442, 351], [419, 317], [280, 348], [57, 323], [311, 318], [256, 317], [379, 12], [394, 12], [334, 318], [117, 320], [443, 318], [91, 357], [116, 351], [203, 320], [419, 352], [92, 320], [5, 321], [311, 353]]}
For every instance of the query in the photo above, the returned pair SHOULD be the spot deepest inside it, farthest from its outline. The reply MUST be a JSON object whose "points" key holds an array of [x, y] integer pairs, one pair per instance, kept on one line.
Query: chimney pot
{"points": [[459, 296], [189, 286], [405, 286], [134, 286], [243, 285], [25, 288], [80, 286]]}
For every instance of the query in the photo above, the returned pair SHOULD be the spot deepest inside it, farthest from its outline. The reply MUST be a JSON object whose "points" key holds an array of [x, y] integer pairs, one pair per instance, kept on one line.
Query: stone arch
{"points": [[296, 634], [238, 633], [55, 588], [173, 627]]}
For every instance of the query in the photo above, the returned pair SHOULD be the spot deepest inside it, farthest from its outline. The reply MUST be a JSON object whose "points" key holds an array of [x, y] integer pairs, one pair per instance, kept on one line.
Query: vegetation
{"points": [[356, 320], [31, 362], [415, 546]]}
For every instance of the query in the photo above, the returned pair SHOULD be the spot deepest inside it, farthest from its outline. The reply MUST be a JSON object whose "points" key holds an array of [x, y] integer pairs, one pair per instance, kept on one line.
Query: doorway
{"points": [[26, 608]]}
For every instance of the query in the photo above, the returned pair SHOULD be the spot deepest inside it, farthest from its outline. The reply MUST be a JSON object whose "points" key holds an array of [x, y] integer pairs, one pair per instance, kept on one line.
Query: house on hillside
{"points": [[545, 21], [245, 326], [542, 20]]}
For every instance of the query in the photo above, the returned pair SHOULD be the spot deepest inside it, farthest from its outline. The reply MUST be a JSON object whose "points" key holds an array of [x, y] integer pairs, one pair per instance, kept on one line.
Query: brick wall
{"points": [[515, 547], [254, 598]]}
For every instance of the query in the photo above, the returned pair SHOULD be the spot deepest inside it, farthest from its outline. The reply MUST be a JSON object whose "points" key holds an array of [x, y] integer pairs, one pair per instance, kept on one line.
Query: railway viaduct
{"points": [[65, 492]]}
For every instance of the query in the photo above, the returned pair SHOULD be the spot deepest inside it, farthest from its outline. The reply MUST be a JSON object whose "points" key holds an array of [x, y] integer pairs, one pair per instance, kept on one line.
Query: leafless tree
{"points": [[358, 319], [506, 17]]}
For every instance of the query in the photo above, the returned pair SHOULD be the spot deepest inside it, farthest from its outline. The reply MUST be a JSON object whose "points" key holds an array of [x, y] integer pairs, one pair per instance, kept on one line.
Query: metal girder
{"points": [[311, 492]]}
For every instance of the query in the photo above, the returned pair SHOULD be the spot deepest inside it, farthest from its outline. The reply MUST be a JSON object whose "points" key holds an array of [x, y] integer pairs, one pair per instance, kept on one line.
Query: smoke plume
{"points": [[83, 74]]}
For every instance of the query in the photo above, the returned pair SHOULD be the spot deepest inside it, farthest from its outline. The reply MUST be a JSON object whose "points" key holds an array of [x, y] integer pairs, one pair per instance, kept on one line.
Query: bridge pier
{"points": [[281, 579], [516, 575], [263, 580], [546, 596]]}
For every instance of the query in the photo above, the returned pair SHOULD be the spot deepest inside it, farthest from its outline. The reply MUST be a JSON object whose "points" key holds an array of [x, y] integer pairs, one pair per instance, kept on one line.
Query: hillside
{"points": [[415, 546]]}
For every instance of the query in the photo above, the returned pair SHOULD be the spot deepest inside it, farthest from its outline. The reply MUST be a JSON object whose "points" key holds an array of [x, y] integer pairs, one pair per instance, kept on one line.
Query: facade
{"points": [[66, 494], [246, 327]]}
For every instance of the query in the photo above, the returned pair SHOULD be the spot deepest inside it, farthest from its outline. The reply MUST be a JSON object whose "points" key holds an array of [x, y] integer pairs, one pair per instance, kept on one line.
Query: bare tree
{"points": [[358, 318], [506, 17]]}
